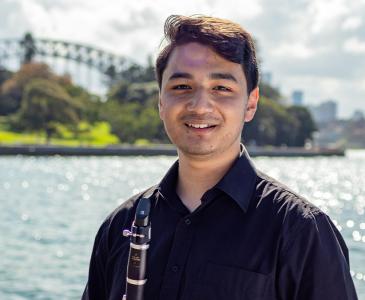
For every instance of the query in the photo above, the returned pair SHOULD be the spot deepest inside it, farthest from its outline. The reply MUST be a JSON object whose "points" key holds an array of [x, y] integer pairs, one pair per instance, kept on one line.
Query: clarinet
{"points": [[140, 236]]}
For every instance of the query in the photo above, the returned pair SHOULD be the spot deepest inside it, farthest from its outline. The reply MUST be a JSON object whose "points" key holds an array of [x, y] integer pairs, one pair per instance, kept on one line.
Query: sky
{"points": [[317, 46]]}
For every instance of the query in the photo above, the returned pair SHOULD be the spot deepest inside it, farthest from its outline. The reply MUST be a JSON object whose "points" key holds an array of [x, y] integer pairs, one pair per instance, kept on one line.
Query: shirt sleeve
{"points": [[96, 288], [314, 263]]}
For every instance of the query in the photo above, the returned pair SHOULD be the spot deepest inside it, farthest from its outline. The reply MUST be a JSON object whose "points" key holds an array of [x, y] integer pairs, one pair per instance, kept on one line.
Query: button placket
{"points": [[175, 268], [177, 259]]}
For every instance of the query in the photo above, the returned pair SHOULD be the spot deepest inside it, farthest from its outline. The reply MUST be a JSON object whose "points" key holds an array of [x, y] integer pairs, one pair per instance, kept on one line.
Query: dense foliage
{"points": [[34, 99], [45, 104], [279, 125]]}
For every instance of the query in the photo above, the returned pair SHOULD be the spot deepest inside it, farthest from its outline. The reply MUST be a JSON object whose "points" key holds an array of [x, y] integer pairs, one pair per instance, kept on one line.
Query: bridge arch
{"points": [[27, 48]]}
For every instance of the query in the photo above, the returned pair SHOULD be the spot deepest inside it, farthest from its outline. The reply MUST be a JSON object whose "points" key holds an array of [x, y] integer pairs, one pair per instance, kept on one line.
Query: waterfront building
{"points": [[297, 97], [325, 112]]}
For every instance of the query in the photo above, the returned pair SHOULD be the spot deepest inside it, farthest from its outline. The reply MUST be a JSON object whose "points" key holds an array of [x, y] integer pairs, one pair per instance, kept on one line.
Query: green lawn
{"points": [[96, 135]]}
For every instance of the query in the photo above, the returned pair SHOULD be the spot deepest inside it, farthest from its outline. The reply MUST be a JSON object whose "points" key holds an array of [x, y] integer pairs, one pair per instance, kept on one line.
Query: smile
{"points": [[200, 126]]}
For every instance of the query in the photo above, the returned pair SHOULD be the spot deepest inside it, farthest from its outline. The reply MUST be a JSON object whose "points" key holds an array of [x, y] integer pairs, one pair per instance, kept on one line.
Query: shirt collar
{"points": [[168, 182], [238, 183], [240, 180], [167, 187]]}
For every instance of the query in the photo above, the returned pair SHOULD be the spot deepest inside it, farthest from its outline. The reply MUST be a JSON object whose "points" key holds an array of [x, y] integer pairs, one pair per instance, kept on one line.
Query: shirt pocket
{"points": [[220, 282]]}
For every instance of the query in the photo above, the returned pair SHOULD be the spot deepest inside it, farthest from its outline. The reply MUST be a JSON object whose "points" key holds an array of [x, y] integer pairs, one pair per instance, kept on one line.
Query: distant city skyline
{"points": [[325, 112], [317, 47]]}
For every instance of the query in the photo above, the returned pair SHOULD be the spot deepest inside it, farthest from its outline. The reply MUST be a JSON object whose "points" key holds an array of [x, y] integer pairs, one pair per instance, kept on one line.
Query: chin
{"points": [[196, 150]]}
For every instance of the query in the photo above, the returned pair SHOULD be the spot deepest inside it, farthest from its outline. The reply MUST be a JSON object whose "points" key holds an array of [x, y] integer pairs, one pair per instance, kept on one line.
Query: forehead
{"points": [[195, 57]]}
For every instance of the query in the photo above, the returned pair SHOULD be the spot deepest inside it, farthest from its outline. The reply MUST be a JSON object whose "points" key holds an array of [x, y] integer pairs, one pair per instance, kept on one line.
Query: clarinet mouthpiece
{"points": [[142, 212]]}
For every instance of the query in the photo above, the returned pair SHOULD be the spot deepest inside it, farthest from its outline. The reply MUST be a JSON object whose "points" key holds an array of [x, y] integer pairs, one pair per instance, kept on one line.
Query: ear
{"points": [[251, 106]]}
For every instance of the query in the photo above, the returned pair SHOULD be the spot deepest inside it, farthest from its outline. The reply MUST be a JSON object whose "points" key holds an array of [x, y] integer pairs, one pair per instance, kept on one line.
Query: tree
{"points": [[270, 92], [139, 73], [12, 89], [277, 125], [132, 74], [272, 125], [132, 121], [89, 104], [119, 92], [7, 105], [132, 111], [126, 92], [46, 103], [111, 76], [4, 75], [306, 125]]}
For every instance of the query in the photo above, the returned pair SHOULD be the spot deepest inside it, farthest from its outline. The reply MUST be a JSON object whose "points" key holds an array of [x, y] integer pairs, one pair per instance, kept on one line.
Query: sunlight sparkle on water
{"points": [[52, 207]]}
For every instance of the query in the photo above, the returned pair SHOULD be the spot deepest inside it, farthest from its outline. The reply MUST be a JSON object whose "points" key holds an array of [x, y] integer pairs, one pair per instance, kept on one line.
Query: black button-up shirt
{"points": [[251, 238]]}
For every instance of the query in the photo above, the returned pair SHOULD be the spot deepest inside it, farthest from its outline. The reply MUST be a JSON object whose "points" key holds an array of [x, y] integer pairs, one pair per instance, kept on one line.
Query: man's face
{"points": [[204, 102]]}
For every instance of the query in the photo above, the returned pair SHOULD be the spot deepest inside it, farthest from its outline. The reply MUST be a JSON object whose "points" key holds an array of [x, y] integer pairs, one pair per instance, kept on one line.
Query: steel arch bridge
{"points": [[28, 48]]}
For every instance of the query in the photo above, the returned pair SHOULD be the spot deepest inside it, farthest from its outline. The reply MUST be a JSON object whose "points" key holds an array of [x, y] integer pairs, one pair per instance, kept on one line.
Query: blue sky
{"points": [[316, 46]]}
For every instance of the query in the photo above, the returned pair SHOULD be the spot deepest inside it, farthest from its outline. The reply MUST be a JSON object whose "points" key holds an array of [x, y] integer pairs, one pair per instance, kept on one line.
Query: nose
{"points": [[200, 102]]}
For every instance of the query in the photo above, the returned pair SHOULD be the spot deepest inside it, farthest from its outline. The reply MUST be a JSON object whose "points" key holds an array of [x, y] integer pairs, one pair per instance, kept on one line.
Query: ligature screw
{"points": [[126, 233]]}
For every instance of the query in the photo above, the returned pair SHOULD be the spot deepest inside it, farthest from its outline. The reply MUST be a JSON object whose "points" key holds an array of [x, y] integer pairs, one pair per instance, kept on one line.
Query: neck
{"points": [[197, 175]]}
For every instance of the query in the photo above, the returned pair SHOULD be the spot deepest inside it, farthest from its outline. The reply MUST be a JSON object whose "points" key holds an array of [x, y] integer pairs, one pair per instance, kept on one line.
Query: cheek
{"points": [[167, 113], [234, 110], [163, 107], [162, 111], [170, 105]]}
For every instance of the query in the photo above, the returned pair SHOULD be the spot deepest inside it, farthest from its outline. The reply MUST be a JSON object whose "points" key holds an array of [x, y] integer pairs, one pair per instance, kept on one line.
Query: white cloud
{"points": [[294, 50], [352, 23], [362, 87], [303, 43], [325, 13], [354, 45], [131, 28], [40, 18]]}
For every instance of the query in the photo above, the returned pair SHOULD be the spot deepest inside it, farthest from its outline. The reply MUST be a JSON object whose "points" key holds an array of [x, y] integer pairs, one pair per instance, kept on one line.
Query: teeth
{"points": [[198, 125]]}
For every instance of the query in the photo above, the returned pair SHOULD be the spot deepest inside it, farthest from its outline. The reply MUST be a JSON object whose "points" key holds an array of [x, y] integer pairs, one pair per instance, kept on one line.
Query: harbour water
{"points": [[51, 208]]}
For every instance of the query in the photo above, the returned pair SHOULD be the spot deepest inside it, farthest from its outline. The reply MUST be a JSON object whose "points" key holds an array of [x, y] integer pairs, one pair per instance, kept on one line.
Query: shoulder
{"points": [[297, 219], [293, 212], [270, 191], [307, 244]]}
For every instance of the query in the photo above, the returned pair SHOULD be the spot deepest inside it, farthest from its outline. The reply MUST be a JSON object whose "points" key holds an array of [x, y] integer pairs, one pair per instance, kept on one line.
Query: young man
{"points": [[220, 228]]}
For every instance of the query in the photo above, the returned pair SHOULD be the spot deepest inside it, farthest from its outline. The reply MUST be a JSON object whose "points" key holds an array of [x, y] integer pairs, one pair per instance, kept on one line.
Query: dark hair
{"points": [[226, 38]]}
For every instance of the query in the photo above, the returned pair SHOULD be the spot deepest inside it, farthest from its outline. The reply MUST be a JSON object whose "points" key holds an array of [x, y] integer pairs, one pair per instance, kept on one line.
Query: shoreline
{"points": [[155, 150]]}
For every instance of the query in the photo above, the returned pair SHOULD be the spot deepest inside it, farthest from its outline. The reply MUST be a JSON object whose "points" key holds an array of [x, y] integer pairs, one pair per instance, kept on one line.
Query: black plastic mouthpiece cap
{"points": [[142, 212]]}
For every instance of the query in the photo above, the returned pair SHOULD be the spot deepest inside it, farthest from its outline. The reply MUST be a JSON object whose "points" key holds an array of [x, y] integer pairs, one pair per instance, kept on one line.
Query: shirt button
{"points": [[175, 268], [187, 221]]}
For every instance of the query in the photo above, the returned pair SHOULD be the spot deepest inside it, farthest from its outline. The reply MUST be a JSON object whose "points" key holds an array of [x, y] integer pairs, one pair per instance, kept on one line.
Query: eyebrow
{"points": [[226, 76], [178, 75]]}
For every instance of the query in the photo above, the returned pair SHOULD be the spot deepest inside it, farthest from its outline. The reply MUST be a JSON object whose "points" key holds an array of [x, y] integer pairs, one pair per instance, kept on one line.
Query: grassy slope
{"points": [[98, 135]]}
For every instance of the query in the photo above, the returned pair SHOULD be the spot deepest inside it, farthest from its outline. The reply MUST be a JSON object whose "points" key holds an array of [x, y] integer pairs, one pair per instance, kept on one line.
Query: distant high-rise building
{"points": [[324, 112], [358, 115], [297, 97]]}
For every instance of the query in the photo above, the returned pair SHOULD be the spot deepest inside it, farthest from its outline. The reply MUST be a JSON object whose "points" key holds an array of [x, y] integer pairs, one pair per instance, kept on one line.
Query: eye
{"points": [[222, 88], [181, 87]]}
